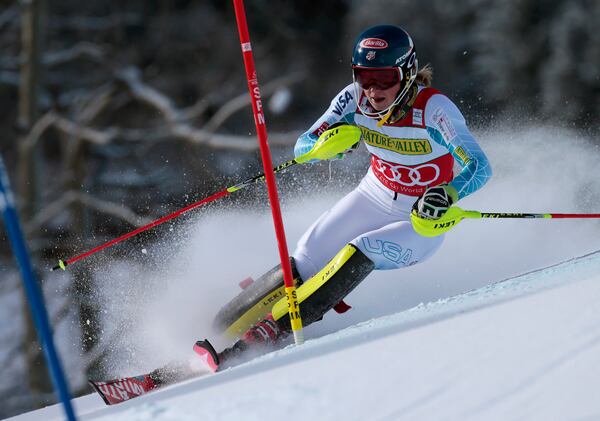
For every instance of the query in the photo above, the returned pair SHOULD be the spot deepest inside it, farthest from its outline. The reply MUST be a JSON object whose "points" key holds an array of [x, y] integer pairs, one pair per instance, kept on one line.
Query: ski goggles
{"points": [[385, 78]]}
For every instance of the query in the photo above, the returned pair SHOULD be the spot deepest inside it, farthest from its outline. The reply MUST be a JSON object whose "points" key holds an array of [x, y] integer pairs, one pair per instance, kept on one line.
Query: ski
{"points": [[121, 390], [125, 388]]}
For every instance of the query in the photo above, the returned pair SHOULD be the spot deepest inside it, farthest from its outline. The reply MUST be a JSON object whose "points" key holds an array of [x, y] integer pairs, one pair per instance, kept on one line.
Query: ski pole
{"points": [[434, 227], [62, 264], [326, 147]]}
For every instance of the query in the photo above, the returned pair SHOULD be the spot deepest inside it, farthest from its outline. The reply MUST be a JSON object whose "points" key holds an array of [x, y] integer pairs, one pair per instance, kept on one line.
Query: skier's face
{"points": [[380, 85], [381, 99]]}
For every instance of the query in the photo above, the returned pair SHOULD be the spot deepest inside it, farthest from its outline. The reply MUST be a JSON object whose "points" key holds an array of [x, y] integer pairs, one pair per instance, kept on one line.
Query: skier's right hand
{"points": [[352, 133], [342, 134], [333, 143]]}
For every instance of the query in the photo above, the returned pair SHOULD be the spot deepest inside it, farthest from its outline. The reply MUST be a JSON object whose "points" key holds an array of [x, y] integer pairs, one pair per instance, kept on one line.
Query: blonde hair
{"points": [[425, 75]]}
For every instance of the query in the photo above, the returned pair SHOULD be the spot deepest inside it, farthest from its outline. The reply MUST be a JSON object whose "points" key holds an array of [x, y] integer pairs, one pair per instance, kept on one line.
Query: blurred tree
{"points": [[30, 162], [570, 76], [511, 47]]}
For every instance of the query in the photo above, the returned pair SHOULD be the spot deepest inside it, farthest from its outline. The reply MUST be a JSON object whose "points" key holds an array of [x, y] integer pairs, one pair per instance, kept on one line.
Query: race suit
{"points": [[417, 151]]}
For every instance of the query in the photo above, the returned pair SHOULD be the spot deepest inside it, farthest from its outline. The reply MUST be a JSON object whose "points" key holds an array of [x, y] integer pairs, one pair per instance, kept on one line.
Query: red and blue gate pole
{"points": [[34, 295], [261, 129]]}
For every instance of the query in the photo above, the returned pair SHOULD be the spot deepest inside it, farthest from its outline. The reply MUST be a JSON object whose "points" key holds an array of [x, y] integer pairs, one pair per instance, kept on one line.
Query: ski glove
{"points": [[434, 203], [336, 141], [343, 133]]}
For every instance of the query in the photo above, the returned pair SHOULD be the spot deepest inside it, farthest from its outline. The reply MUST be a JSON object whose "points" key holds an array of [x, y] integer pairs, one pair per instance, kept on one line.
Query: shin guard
{"points": [[318, 295], [328, 287]]}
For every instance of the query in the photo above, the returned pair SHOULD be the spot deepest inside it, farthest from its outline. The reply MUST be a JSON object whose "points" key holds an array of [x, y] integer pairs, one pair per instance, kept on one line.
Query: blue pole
{"points": [[34, 295]]}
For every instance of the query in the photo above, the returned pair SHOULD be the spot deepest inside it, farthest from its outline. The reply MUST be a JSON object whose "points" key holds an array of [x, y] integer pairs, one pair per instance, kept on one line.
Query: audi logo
{"points": [[421, 175]]}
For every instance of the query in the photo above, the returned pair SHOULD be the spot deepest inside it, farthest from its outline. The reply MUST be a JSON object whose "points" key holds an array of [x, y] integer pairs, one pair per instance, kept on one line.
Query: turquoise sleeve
{"points": [[304, 144], [476, 169], [446, 126]]}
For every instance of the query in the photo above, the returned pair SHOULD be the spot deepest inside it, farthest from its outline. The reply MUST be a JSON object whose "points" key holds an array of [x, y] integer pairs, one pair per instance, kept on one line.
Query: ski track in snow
{"points": [[506, 374]]}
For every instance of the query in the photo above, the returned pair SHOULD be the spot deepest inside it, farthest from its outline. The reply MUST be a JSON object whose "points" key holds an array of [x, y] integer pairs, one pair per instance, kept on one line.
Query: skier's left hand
{"points": [[434, 203]]}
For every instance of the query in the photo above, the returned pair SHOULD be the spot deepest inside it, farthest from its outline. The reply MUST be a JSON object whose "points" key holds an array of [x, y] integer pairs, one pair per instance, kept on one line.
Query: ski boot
{"points": [[264, 333]]}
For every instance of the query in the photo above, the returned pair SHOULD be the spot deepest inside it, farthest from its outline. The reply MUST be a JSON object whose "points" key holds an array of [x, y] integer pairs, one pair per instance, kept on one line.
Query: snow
{"points": [[280, 101], [524, 348]]}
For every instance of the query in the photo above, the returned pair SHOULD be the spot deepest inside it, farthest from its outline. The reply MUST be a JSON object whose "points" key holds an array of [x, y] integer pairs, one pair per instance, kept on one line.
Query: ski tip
{"points": [[122, 389], [207, 354], [99, 391]]}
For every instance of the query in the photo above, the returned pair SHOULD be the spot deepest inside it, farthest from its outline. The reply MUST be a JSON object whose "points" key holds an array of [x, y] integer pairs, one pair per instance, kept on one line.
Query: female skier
{"points": [[415, 135]]}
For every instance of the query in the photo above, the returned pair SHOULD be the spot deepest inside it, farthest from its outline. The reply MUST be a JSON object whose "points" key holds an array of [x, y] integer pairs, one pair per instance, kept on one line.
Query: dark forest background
{"points": [[115, 113]]}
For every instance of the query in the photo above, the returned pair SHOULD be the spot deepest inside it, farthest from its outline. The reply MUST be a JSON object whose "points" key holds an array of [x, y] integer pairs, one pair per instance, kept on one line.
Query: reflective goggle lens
{"points": [[379, 78]]}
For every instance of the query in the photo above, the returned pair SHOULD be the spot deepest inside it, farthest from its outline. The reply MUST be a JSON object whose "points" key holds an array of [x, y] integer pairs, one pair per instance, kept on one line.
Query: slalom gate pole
{"points": [[259, 121], [62, 264], [34, 295], [434, 227]]}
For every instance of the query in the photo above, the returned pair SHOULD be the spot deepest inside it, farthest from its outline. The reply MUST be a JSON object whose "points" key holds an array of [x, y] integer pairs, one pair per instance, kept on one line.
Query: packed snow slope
{"points": [[495, 353], [524, 348], [162, 296]]}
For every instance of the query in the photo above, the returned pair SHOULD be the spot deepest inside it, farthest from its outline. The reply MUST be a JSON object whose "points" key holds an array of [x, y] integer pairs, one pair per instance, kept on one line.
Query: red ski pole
{"points": [[62, 264], [322, 150], [435, 227], [259, 121]]}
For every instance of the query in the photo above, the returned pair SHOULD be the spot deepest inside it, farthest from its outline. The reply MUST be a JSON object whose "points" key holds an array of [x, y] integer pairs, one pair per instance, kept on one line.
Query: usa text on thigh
{"points": [[396, 245], [361, 211]]}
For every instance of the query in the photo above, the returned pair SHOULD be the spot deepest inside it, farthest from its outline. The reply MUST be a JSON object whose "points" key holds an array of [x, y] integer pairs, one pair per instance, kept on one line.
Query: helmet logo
{"points": [[411, 59], [370, 55], [376, 43]]}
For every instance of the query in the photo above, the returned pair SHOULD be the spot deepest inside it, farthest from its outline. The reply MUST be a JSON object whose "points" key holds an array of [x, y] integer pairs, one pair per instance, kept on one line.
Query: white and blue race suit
{"points": [[408, 155]]}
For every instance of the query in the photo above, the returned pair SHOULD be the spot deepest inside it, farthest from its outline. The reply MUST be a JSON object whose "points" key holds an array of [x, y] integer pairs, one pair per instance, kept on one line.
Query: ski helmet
{"points": [[383, 55]]}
